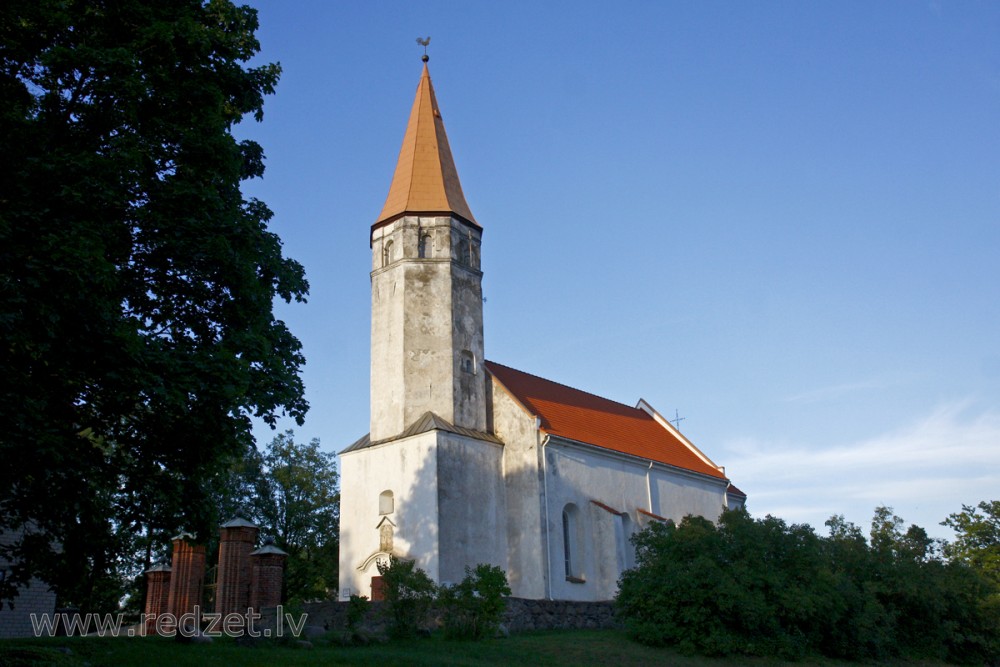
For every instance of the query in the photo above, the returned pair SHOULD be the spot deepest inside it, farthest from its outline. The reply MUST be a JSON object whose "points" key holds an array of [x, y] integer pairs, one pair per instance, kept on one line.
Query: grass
{"points": [[578, 648]]}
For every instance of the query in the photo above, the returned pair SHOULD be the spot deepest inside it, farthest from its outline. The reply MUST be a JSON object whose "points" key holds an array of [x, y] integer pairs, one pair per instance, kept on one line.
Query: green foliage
{"points": [[977, 540], [357, 609], [136, 282], [745, 587], [409, 593], [762, 587], [298, 503], [473, 608]]}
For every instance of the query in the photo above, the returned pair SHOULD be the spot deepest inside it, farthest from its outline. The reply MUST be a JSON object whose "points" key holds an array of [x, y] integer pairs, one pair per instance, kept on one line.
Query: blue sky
{"points": [[781, 219]]}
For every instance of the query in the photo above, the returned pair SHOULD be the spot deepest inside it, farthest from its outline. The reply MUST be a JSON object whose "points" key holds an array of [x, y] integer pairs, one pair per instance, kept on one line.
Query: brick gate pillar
{"points": [[236, 541], [157, 594], [268, 573], [187, 576]]}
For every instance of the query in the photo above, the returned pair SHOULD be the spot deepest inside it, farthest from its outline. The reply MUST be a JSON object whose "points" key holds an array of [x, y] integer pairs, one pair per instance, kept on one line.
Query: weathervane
{"points": [[424, 42]]}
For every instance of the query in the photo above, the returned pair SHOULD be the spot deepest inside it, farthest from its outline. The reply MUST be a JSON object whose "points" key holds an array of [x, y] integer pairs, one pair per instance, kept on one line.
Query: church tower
{"points": [[426, 484], [427, 310]]}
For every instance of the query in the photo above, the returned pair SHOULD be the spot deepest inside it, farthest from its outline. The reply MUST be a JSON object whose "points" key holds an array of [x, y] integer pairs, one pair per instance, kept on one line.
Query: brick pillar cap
{"points": [[159, 567], [183, 535], [268, 549], [238, 522]]}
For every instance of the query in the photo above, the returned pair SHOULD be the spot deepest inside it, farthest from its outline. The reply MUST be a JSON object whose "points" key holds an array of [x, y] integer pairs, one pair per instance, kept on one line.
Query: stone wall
{"points": [[524, 615], [521, 615]]}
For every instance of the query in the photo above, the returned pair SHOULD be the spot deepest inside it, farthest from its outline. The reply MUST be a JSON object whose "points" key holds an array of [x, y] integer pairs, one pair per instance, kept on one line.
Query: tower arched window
{"points": [[474, 255], [385, 503], [463, 252], [387, 253], [468, 362], [424, 245]]}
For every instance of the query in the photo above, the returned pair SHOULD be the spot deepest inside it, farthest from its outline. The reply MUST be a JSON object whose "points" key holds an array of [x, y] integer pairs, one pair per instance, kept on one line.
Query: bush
{"points": [[357, 609], [762, 587], [473, 608], [409, 593]]}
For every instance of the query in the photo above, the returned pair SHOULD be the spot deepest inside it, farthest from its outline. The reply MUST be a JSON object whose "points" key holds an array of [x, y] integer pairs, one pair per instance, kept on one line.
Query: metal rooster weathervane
{"points": [[424, 42]]}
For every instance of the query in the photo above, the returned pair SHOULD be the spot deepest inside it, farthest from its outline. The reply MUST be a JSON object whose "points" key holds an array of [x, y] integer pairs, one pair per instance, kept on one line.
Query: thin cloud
{"points": [[925, 470], [836, 391]]}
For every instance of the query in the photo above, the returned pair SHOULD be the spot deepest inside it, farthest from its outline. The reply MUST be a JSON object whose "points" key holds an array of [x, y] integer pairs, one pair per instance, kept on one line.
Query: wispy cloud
{"points": [[836, 391], [925, 470]]}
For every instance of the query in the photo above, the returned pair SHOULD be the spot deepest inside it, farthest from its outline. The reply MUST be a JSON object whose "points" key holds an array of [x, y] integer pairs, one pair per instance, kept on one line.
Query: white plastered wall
{"points": [[522, 478], [579, 474], [408, 468]]}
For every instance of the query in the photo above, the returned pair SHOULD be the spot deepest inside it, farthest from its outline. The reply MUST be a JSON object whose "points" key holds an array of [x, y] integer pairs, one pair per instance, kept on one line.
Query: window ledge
{"points": [[576, 580]]}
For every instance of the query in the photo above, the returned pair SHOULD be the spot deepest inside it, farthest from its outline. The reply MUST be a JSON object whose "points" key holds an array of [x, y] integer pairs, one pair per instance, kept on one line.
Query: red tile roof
{"points": [[606, 508], [653, 516], [577, 415]]}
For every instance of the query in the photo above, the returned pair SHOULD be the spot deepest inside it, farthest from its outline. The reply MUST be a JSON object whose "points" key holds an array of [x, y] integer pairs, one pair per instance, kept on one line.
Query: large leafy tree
{"points": [[977, 541], [298, 504], [136, 282]]}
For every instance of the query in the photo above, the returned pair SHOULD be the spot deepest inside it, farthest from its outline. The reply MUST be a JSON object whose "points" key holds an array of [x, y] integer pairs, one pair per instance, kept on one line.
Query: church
{"points": [[471, 461]]}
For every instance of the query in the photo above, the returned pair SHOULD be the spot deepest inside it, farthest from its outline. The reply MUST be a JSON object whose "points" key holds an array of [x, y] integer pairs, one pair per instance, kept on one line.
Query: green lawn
{"points": [[604, 648]]}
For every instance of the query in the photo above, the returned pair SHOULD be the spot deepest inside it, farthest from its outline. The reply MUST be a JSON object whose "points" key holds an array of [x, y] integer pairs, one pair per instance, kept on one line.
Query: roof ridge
{"points": [[566, 386]]}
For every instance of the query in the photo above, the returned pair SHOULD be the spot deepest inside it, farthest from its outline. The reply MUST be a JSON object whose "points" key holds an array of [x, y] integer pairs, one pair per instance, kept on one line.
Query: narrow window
{"points": [[387, 253], [625, 543], [568, 543], [424, 246], [468, 363], [572, 544], [474, 255], [385, 504]]}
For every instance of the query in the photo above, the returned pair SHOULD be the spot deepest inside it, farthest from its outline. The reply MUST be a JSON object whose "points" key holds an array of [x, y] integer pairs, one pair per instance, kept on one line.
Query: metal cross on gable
{"points": [[676, 421]]}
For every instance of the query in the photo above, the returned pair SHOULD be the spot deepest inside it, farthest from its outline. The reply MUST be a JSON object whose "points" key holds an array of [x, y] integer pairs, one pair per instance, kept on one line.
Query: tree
{"points": [[297, 503], [136, 282], [977, 540], [409, 593], [473, 608], [763, 587]]}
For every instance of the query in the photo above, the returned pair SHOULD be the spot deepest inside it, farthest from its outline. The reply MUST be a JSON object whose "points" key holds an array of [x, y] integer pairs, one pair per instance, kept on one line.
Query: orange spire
{"points": [[426, 180]]}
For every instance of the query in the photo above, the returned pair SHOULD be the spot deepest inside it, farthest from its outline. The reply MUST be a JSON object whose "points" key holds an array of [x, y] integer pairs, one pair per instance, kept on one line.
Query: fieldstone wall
{"points": [[524, 615], [521, 615]]}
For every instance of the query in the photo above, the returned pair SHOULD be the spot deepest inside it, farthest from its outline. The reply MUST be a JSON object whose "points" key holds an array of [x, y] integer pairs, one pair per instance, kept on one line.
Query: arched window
{"points": [[387, 253], [572, 543], [463, 252], [424, 245], [628, 548], [474, 255], [468, 363], [385, 504]]}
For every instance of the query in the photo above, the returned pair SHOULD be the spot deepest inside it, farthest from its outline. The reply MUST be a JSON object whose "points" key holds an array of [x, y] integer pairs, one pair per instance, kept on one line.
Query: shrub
{"points": [[357, 608], [763, 587], [409, 593], [473, 608]]}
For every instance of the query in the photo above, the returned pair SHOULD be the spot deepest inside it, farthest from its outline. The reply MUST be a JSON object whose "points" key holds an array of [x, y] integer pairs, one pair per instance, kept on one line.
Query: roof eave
{"points": [[634, 458]]}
